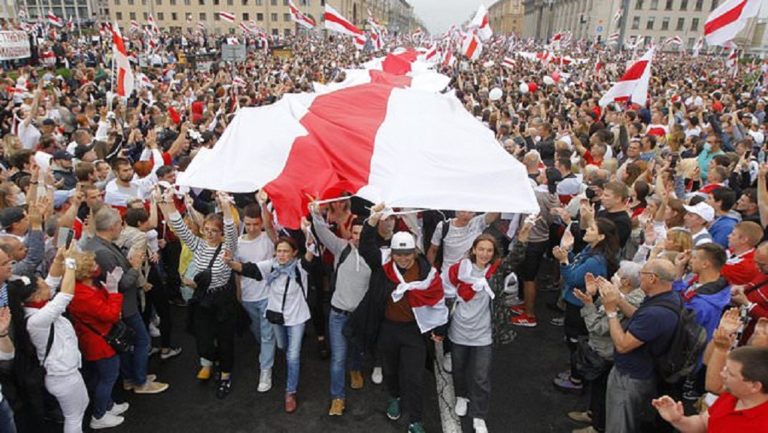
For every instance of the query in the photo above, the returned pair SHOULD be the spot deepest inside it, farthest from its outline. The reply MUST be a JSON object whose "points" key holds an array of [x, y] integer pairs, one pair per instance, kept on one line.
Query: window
{"points": [[216, 2], [146, 15], [160, 16], [159, 2], [305, 2], [668, 6], [285, 2], [680, 23], [244, 2], [187, 2], [654, 5], [665, 23], [286, 17], [694, 24], [638, 4], [259, 2], [216, 17], [275, 32], [143, 2], [130, 3], [699, 5], [635, 23], [714, 5], [119, 15], [649, 24], [245, 16], [229, 2], [201, 2], [202, 17], [259, 16], [683, 5], [273, 3], [273, 17], [691, 41], [287, 32], [174, 17]]}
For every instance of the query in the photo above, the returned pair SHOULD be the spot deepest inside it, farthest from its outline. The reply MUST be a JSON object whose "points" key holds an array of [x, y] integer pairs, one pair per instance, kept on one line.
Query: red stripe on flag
{"points": [[471, 48], [397, 64], [314, 166], [381, 77], [121, 82], [725, 19], [635, 71], [344, 23]]}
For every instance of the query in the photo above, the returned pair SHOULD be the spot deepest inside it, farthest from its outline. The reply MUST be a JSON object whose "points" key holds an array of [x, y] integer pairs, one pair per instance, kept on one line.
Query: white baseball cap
{"points": [[403, 243], [703, 210]]}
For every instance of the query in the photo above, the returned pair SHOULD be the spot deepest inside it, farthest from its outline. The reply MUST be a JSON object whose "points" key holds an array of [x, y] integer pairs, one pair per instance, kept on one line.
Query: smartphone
{"points": [[64, 238], [747, 155]]}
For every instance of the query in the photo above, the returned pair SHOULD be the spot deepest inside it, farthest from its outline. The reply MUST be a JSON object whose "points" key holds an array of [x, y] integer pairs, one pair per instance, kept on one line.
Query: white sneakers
{"points": [[461, 406], [118, 409], [448, 363], [265, 380], [107, 421], [377, 377], [479, 425]]}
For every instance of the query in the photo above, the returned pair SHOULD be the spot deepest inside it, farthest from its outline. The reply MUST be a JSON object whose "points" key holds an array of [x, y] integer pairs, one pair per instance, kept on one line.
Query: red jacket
{"points": [[757, 293], [100, 309], [740, 269]]}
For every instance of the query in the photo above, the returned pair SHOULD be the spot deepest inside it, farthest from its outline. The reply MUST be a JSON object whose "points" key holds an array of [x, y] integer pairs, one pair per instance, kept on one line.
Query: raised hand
{"points": [[669, 409], [113, 279]]}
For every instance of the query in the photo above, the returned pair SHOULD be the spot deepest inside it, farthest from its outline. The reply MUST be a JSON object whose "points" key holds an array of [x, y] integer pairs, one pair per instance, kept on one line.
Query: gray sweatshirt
{"points": [[471, 321]]}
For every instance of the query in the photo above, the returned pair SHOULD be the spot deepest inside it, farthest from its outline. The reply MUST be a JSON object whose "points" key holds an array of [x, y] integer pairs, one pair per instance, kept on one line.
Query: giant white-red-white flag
{"points": [[729, 19], [124, 78], [299, 17], [482, 23], [336, 22], [633, 85], [471, 46], [401, 146]]}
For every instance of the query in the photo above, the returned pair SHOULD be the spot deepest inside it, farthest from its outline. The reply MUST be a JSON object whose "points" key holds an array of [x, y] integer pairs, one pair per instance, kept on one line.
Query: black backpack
{"points": [[685, 348], [439, 256]]}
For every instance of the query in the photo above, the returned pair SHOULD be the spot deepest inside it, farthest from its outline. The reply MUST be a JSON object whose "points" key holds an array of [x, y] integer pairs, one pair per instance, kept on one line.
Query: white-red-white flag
{"points": [[482, 24], [732, 62], [448, 58], [227, 16], [676, 40], [153, 28], [334, 21], [134, 26], [509, 62], [725, 22], [124, 79], [360, 41], [618, 15], [699, 45], [633, 85], [54, 20], [471, 46], [353, 140], [613, 38], [300, 18]]}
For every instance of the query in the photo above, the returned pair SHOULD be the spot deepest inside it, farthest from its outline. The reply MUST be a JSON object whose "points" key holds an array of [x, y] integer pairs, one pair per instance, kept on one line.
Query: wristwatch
{"points": [[70, 263], [612, 314]]}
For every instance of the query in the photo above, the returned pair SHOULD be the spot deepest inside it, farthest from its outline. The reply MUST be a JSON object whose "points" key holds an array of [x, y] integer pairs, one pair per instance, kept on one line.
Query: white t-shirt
{"points": [[253, 251], [29, 135], [458, 241]]}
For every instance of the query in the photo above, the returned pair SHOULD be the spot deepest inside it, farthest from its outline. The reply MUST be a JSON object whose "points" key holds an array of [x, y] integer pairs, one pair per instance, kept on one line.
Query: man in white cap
{"points": [[697, 217], [404, 305]]}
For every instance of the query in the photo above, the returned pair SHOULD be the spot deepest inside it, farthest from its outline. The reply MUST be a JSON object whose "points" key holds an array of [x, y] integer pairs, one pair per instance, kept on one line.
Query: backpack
{"points": [[685, 348], [439, 256]]}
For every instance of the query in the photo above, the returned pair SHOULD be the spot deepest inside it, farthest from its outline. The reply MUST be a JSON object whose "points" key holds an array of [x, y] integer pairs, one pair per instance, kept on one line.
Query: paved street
{"points": [[523, 399]]}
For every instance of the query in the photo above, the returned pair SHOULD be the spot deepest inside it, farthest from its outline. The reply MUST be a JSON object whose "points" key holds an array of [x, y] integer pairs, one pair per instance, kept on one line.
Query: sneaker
{"points": [[118, 409], [107, 421], [337, 407], [151, 388], [557, 321], [225, 387], [377, 377], [568, 384], [691, 395], [585, 417], [204, 373], [265, 380], [416, 427], [129, 385], [170, 353], [589, 429], [461, 406], [565, 374], [393, 409], [479, 425], [154, 331], [513, 301], [448, 363], [290, 402], [356, 380], [524, 320], [153, 350], [517, 309]]}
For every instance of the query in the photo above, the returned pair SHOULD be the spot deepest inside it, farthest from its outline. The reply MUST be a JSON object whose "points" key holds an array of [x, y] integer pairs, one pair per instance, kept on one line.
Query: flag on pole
{"points": [[360, 41], [699, 45], [334, 21], [613, 38], [201, 25], [729, 19], [300, 18], [152, 26], [481, 23], [124, 79], [70, 24], [239, 82], [618, 15], [509, 62], [352, 140], [448, 59], [633, 85], [598, 65], [732, 61], [672, 41], [417, 34], [134, 26], [471, 46], [227, 16], [54, 20]]}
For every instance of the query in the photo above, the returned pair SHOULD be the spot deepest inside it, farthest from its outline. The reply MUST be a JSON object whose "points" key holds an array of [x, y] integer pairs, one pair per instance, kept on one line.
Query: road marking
{"points": [[446, 397]]}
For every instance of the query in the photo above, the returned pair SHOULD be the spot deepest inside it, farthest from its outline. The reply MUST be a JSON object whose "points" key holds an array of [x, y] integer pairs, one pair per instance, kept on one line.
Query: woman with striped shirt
{"points": [[214, 311]]}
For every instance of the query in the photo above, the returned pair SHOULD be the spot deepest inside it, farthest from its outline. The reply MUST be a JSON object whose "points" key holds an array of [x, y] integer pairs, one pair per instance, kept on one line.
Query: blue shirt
{"points": [[721, 227]]}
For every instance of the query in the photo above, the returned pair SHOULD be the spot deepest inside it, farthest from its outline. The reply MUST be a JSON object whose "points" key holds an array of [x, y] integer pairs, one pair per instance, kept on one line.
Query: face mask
{"points": [[707, 147]]}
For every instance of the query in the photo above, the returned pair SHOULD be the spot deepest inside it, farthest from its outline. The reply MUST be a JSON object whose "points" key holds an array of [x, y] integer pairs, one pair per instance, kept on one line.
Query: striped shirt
{"points": [[203, 253]]}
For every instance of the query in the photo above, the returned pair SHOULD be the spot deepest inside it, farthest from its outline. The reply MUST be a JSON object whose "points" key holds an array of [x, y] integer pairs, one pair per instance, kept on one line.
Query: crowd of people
{"points": [[652, 225]]}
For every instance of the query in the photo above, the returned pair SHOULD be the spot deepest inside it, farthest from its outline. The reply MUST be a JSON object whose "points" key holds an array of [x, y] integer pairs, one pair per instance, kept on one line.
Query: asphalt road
{"points": [[523, 397]]}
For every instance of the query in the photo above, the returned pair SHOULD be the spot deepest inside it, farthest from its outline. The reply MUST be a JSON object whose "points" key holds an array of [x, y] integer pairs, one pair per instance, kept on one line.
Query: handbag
{"points": [[203, 278], [588, 362], [120, 336], [276, 317]]}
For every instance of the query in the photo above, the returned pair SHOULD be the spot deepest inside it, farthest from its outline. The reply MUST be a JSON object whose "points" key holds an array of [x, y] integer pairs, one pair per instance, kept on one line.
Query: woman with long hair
{"points": [[600, 258]]}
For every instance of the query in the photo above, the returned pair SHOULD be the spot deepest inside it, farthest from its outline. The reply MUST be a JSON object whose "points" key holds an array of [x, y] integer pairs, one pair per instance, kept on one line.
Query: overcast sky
{"points": [[438, 15]]}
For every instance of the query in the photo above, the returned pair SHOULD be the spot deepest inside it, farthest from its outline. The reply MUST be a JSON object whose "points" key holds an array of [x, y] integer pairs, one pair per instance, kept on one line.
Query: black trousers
{"points": [[574, 327], [404, 354], [170, 259], [597, 390], [214, 322], [472, 377], [159, 298]]}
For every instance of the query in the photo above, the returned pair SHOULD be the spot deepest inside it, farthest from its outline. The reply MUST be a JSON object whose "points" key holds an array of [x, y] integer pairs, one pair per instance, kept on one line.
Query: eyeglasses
{"points": [[647, 273], [211, 231]]}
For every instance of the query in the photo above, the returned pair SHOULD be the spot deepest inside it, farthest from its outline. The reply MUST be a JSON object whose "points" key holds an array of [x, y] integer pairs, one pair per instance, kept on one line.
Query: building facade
{"points": [[655, 20], [79, 10], [272, 16], [506, 17]]}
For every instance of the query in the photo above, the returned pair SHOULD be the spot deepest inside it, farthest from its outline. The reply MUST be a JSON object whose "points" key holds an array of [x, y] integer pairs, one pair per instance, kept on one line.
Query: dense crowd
{"points": [[652, 227]]}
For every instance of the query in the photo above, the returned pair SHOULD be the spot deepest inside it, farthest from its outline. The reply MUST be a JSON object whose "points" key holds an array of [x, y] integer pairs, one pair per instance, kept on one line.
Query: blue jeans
{"points": [[7, 425], [336, 322], [262, 331], [102, 378], [294, 334], [133, 365]]}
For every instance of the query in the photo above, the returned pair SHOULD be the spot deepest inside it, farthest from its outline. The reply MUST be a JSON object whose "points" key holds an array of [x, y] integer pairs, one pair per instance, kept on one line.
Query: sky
{"points": [[438, 15]]}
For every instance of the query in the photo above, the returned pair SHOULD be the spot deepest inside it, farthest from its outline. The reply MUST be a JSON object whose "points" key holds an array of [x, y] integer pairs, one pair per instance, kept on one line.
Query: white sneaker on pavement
{"points": [[479, 425], [107, 421], [265, 380], [119, 409], [461, 406], [377, 377], [154, 331]]}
